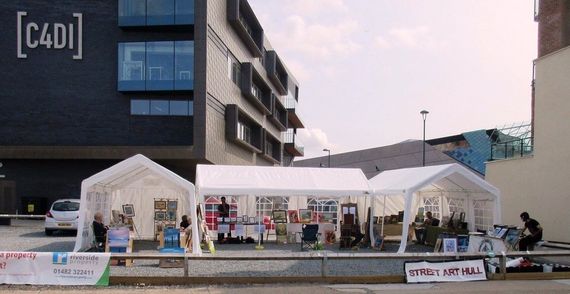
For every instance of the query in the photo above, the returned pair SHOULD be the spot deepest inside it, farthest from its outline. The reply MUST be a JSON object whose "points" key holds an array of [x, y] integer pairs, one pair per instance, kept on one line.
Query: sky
{"points": [[366, 68]]}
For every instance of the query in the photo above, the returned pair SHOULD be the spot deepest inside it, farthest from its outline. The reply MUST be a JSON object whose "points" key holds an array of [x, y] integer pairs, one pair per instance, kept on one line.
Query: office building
{"points": [[87, 83]]}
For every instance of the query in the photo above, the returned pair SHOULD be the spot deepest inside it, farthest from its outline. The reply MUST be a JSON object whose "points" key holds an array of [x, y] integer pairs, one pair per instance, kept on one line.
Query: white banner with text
{"points": [[446, 271], [54, 268]]}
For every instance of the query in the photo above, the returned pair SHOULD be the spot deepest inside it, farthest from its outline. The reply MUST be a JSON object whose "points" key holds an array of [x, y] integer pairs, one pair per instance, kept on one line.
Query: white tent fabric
{"points": [[300, 182], [136, 180], [404, 188], [279, 181]]}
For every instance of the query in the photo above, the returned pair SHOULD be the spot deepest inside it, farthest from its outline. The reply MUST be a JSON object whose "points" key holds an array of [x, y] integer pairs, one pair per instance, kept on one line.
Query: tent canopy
{"points": [[279, 181], [447, 177], [136, 180], [403, 189]]}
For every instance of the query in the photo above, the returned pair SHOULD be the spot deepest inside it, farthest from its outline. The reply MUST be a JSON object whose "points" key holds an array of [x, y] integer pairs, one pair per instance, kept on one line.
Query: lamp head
{"points": [[326, 150], [424, 113]]}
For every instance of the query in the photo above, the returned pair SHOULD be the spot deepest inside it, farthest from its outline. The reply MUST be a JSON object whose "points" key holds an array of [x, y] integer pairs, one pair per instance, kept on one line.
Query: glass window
{"points": [[211, 210], [66, 206], [132, 12], [159, 107], [131, 66], [179, 108], [184, 12], [159, 12], [140, 107], [184, 65], [156, 66], [160, 65], [432, 204], [324, 205], [244, 132]]}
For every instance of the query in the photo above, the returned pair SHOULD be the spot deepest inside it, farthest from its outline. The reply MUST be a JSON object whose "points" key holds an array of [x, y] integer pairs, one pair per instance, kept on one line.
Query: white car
{"points": [[63, 215]]}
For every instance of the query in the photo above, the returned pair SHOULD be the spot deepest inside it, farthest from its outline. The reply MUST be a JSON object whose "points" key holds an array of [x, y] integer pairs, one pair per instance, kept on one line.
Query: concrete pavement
{"points": [[518, 287]]}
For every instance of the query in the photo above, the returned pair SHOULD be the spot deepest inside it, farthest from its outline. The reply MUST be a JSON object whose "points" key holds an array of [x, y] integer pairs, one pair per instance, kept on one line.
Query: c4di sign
{"points": [[58, 36]]}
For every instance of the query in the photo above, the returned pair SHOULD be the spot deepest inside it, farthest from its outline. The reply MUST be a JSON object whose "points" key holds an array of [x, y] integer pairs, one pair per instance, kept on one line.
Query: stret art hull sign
{"points": [[447, 271], [55, 36]]}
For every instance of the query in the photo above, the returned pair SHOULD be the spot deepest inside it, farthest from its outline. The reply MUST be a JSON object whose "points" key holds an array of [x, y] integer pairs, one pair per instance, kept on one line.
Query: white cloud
{"points": [[382, 43], [315, 140], [317, 40], [409, 37], [312, 7]]}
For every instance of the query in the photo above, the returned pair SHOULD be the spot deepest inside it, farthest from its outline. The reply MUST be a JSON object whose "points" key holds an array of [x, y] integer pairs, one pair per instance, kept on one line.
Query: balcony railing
{"points": [[291, 103], [512, 149], [290, 137]]}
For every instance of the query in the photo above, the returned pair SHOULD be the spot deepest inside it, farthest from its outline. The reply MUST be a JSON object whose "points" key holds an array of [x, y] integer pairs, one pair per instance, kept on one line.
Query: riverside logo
{"points": [[58, 36], [59, 258]]}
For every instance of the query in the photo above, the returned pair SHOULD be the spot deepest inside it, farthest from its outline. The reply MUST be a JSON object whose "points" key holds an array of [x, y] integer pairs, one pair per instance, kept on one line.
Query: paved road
{"points": [[518, 287]]}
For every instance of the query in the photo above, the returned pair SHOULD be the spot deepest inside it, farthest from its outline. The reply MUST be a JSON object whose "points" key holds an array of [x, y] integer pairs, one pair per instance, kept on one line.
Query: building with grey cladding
{"points": [[375, 160], [92, 82]]}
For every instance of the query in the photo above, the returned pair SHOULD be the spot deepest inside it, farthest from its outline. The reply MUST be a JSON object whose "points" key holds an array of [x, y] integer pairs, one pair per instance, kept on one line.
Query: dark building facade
{"points": [[87, 83]]}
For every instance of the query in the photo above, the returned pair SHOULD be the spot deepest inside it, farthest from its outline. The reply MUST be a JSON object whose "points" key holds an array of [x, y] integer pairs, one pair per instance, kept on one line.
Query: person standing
{"points": [[223, 211], [534, 229]]}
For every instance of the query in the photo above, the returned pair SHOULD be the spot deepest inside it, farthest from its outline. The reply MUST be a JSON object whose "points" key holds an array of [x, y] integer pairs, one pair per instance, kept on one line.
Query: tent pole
{"points": [[383, 217]]}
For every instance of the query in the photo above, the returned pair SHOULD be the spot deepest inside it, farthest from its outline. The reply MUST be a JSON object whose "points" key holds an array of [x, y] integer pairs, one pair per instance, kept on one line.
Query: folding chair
{"points": [[309, 236]]}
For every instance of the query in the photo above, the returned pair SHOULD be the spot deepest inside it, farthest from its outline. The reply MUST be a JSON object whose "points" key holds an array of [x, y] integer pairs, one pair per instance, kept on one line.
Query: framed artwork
{"points": [[450, 245], [160, 215], [293, 216], [328, 217], [128, 210], [512, 237], [305, 215], [220, 219], [279, 216], [462, 243], [281, 229], [252, 220], [245, 218], [159, 204], [171, 215], [172, 205]]}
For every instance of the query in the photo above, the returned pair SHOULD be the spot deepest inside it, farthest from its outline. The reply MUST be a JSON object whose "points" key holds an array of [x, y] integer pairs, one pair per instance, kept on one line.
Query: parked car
{"points": [[63, 215]]}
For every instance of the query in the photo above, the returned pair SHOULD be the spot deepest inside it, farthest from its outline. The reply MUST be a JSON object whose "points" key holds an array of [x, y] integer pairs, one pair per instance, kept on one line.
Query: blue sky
{"points": [[368, 67]]}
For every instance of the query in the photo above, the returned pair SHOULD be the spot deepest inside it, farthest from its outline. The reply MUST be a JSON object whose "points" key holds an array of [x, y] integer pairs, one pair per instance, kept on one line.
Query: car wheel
{"points": [[49, 232]]}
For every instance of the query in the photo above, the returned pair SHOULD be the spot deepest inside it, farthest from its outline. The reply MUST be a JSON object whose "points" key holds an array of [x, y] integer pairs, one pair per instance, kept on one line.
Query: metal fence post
{"points": [[324, 265], [186, 265], [503, 261]]}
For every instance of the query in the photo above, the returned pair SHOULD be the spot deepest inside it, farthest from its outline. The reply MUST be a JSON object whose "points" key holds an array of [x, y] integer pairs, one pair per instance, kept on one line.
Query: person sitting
{"points": [[99, 229], [184, 223], [421, 229], [535, 230]]}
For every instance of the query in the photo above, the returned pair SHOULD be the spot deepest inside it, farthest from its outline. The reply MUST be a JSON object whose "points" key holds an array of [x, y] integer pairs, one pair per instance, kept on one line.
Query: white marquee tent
{"points": [[404, 189], [136, 180], [301, 182]]}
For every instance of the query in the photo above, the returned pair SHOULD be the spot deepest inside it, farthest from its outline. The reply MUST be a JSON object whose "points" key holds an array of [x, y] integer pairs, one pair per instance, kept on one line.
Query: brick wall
{"points": [[553, 26]]}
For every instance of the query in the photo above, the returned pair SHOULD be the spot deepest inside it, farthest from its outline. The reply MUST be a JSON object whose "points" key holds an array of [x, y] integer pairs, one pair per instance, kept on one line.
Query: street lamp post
{"points": [[424, 114], [329, 151]]}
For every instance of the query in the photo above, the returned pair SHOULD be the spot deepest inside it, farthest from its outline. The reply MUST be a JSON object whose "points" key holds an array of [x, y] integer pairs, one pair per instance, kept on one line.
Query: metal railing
{"points": [[23, 216], [324, 257], [289, 137], [511, 149]]}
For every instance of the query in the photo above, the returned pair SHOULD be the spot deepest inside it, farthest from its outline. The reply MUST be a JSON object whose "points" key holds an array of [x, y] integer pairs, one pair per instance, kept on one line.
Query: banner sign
{"points": [[447, 271], [54, 268]]}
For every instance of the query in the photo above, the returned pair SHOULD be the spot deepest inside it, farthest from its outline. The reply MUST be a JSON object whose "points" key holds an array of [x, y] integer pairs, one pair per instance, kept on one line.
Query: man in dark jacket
{"points": [[534, 229]]}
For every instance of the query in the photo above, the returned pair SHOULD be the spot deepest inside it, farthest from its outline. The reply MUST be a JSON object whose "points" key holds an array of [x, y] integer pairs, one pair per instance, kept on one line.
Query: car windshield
{"points": [[66, 206]]}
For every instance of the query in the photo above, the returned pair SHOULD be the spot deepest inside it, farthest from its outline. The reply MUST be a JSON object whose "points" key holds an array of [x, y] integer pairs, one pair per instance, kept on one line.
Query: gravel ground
{"points": [[28, 235]]}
